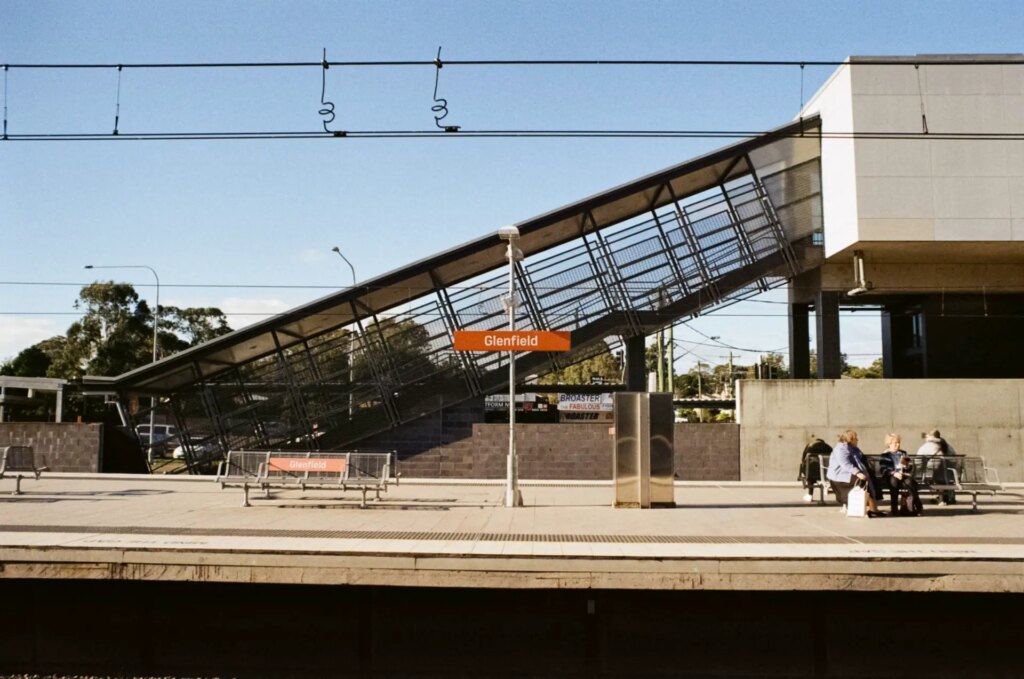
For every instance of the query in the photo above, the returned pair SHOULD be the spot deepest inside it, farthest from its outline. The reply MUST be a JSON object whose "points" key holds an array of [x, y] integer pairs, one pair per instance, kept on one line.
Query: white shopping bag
{"points": [[857, 503]]}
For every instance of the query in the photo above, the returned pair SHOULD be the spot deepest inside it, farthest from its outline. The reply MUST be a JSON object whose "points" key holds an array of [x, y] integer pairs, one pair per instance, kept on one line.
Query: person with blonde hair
{"points": [[848, 467], [898, 476]]}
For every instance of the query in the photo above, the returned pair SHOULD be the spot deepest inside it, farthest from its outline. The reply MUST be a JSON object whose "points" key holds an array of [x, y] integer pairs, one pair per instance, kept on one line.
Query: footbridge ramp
{"points": [[677, 243]]}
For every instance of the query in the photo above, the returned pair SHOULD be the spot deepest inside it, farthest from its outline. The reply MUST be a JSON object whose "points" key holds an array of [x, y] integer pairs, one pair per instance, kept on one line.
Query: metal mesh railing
{"points": [[347, 383]]}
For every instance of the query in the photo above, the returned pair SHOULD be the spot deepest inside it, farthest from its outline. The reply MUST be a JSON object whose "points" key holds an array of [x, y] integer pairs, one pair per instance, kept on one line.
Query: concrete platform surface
{"points": [[721, 536]]}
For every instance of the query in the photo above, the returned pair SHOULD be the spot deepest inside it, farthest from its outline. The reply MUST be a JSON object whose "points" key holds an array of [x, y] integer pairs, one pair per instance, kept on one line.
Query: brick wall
{"points": [[708, 452], [62, 446], [704, 452]]}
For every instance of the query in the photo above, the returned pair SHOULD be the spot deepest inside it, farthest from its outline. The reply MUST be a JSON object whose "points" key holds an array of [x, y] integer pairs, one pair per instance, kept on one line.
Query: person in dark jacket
{"points": [[810, 465], [938, 447], [898, 476]]}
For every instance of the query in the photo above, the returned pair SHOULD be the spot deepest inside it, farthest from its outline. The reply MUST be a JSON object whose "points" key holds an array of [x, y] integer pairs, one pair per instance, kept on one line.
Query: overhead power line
{"points": [[432, 63], [440, 104], [436, 315], [509, 134], [427, 289]]}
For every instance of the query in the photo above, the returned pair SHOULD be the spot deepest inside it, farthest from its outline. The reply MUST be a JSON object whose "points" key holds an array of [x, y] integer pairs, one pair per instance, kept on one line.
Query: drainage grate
{"points": [[512, 537]]}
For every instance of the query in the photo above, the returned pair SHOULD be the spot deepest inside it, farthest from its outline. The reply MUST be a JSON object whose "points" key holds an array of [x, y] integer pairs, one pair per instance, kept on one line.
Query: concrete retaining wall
{"points": [[978, 417], [63, 446], [704, 452]]}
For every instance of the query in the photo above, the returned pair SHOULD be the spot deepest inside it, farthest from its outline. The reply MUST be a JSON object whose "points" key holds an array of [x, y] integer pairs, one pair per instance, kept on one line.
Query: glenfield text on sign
{"points": [[511, 340]]}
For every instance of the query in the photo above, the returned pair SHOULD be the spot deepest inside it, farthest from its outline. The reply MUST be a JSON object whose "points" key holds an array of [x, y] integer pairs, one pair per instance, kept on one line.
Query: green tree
{"points": [[686, 384], [194, 324], [115, 334], [872, 372], [603, 368], [31, 362], [110, 338], [407, 344]]}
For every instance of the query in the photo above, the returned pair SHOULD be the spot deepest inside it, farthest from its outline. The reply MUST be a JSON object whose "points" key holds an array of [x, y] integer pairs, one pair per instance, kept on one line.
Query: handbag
{"points": [[857, 503]]}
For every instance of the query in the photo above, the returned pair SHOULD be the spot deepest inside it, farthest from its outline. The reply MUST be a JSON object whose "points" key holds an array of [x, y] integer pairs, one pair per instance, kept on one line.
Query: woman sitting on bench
{"points": [[898, 475], [847, 467]]}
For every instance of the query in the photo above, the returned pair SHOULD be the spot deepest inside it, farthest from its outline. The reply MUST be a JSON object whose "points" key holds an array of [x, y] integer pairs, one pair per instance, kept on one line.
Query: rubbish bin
{"points": [[643, 458]]}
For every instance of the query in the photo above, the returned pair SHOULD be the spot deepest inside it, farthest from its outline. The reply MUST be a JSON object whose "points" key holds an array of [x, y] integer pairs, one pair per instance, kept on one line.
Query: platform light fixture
{"points": [[863, 285], [513, 496]]}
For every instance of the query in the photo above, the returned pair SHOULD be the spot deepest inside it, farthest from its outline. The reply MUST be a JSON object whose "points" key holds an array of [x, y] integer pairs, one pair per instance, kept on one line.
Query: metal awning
{"points": [[791, 144]]}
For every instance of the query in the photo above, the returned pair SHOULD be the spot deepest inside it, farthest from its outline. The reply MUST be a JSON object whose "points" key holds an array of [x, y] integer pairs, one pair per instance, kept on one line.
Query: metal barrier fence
{"points": [[379, 371]]}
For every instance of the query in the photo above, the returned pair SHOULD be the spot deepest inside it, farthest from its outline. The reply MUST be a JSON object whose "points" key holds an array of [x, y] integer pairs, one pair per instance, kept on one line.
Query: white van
{"points": [[161, 432]]}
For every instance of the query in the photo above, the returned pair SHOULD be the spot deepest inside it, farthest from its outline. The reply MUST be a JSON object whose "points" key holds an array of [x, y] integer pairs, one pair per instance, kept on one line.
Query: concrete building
{"points": [[922, 172]]}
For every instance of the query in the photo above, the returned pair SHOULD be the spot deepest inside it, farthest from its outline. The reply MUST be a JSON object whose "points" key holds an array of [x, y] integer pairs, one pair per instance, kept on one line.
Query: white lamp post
{"points": [[156, 326], [351, 397], [513, 497], [352, 268]]}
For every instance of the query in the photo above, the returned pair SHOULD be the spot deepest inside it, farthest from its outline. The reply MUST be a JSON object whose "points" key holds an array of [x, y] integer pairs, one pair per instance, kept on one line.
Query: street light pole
{"points": [[352, 268], [156, 327], [513, 496], [351, 397]]}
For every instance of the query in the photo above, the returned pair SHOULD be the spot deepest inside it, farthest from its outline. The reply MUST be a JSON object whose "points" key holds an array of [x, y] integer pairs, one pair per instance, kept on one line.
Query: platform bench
{"points": [[16, 461], [270, 470], [935, 474]]}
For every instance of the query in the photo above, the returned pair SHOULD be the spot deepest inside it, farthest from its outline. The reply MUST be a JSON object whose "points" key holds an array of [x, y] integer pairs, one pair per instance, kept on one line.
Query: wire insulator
{"points": [[6, 69], [920, 97], [117, 101], [440, 107], [802, 86], [327, 107]]}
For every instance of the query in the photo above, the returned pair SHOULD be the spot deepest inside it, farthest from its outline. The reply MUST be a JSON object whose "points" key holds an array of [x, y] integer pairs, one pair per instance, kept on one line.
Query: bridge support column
{"points": [[799, 339], [827, 314], [636, 363]]}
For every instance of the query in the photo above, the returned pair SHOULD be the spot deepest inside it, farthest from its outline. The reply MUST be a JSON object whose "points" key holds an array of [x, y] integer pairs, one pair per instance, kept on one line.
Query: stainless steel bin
{"points": [[643, 458]]}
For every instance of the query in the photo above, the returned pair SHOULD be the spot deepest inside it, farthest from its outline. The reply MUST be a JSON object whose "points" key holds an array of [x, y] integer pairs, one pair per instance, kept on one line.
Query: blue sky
{"points": [[266, 213]]}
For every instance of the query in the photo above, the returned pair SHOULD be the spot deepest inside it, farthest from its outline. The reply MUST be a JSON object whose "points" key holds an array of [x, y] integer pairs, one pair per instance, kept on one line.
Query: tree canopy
{"points": [[115, 335], [603, 368]]}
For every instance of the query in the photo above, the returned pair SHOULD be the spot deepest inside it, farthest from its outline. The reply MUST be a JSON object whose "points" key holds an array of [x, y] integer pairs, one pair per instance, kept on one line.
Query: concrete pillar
{"points": [[636, 364], [60, 403], [827, 316], [888, 351], [799, 338]]}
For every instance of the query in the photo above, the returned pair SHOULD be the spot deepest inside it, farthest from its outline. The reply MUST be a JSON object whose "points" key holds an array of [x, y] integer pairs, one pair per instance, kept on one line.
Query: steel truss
{"points": [[375, 371]]}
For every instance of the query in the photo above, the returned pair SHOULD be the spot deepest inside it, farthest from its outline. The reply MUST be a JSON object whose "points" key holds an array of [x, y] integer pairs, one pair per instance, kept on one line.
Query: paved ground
{"points": [[458, 534]]}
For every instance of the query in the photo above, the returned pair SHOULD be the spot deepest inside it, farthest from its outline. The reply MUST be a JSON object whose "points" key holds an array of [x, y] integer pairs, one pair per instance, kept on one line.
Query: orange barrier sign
{"points": [[511, 340], [307, 464]]}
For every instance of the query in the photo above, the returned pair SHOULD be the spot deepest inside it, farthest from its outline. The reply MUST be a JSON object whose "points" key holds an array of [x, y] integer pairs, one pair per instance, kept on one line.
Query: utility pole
{"points": [[660, 372], [671, 363], [700, 392], [731, 394]]}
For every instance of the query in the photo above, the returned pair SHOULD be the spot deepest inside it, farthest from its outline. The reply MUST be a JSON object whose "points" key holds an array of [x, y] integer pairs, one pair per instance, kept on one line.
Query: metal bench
{"points": [[965, 475], [19, 459], [935, 474], [821, 485], [242, 469], [268, 470]]}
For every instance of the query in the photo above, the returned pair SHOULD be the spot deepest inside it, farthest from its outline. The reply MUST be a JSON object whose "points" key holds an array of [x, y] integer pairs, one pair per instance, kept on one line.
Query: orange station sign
{"points": [[307, 464], [511, 340]]}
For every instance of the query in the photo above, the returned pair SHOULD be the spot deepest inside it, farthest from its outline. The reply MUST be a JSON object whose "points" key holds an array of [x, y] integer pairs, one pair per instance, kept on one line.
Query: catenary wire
{"points": [[426, 289], [861, 61], [511, 134]]}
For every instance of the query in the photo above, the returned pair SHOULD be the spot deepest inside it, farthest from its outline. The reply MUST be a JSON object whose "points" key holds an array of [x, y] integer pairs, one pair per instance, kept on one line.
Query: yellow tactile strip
{"points": [[511, 537]]}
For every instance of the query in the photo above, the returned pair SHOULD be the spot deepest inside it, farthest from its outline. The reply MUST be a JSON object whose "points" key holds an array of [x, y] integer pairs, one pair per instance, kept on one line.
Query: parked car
{"points": [[165, 437], [200, 448]]}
